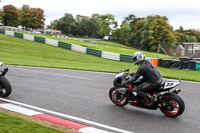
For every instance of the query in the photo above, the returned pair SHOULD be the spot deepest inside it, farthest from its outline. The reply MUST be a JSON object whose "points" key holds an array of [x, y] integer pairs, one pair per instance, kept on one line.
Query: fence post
{"points": [[158, 49]]}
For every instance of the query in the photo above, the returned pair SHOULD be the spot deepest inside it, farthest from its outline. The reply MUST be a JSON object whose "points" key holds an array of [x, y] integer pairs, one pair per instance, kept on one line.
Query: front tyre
{"points": [[5, 87], [117, 97], [175, 105]]}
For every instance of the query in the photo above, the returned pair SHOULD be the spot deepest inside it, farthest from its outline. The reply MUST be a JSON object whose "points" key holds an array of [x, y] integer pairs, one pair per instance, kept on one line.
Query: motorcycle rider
{"points": [[151, 76]]}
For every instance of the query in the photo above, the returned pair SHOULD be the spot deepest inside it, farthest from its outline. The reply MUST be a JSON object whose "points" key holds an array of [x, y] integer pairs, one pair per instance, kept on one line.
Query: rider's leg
{"points": [[142, 90]]}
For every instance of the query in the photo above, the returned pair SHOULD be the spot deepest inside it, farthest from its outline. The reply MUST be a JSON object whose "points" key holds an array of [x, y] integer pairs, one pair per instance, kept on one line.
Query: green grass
{"points": [[15, 124], [16, 51], [104, 46]]}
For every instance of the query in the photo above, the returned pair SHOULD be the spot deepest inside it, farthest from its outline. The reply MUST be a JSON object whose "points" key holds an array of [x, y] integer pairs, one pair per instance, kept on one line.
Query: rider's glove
{"points": [[132, 74]]}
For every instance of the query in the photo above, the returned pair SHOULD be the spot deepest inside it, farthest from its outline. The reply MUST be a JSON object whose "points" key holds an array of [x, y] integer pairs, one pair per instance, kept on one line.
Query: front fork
{"points": [[4, 71]]}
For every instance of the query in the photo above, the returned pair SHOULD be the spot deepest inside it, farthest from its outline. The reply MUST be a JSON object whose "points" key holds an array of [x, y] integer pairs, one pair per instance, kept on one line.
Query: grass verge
{"points": [[16, 51], [11, 122], [104, 46]]}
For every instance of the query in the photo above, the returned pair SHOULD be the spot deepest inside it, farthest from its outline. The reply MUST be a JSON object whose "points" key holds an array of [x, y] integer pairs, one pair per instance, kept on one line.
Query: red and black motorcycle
{"points": [[169, 102]]}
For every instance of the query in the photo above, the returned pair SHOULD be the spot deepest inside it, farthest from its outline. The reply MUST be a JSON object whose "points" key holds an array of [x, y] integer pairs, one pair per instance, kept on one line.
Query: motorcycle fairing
{"points": [[171, 84]]}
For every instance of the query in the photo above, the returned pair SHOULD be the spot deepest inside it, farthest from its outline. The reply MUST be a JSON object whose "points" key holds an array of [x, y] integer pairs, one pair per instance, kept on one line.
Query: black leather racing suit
{"points": [[151, 76]]}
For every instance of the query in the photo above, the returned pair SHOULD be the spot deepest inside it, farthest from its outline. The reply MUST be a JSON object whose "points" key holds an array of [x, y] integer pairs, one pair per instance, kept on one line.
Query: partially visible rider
{"points": [[151, 76]]}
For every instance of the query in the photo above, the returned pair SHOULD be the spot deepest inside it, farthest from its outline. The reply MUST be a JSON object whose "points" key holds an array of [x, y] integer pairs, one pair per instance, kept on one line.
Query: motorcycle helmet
{"points": [[138, 57]]}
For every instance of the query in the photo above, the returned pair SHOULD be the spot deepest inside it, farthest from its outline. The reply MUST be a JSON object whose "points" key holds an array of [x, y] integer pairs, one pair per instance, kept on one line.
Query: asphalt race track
{"points": [[84, 94]]}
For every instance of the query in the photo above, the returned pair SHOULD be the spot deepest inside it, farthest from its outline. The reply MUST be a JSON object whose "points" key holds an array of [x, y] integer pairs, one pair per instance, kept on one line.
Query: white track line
{"points": [[19, 109]]}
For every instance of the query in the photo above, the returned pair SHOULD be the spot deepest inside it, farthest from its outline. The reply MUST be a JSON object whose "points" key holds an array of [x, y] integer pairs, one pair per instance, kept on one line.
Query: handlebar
{"points": [[126, 70]]}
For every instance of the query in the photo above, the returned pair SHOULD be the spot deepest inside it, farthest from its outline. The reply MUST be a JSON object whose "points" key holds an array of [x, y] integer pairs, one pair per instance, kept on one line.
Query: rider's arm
{"points": [[139, 73]]}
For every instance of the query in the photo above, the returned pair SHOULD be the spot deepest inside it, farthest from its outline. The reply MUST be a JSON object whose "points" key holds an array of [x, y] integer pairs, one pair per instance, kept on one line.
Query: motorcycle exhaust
{"points": [[177, 91]]}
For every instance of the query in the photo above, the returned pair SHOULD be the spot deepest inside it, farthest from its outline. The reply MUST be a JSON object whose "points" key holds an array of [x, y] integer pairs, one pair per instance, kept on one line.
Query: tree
{"points": [[179, 37], [124, 32], [80, 29], [97, 26], [146, 33], [1, 16], [85, 26], [96, 20], [53, 24], [115, 34], [131, 19], [180, 34], [91, 27], [160, 31], [187, 35], [36, 18], [144, 42], [106, 24], [137, 26], [197, 35], [25, 16], [10, 15], [66, 24], [190, 38]]}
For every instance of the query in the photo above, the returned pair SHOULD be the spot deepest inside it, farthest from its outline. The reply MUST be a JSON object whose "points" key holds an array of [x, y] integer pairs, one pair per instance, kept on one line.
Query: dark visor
{"points": [[134, 59]]}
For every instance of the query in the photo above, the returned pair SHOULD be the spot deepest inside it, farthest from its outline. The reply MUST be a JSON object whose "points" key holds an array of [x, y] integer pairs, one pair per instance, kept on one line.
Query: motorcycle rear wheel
{"points": [[118, 98], [5, 87], [175, 104]]}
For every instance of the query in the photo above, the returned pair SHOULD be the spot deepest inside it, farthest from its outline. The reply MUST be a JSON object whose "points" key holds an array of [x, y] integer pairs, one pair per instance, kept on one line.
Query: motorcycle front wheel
{"points": [[117, 97], [175, 105], [5, 87]]}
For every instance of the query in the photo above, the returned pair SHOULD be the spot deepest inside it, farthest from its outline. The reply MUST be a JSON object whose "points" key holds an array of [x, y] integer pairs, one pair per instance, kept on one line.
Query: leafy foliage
{"points": [[160, 31], [26, 17], [66, 24], [187, 35], [10, 15], [36, 18], [146, 33], [83, 26], [124, 32], [1, 16]]}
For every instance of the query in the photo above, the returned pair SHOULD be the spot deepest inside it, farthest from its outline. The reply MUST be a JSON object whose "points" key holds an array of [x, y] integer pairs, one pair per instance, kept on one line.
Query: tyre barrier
{"points": [[197, 65], [178, 64]]}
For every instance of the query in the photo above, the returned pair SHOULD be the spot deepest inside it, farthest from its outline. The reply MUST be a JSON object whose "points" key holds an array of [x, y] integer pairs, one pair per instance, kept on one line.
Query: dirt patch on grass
{"points": [[45, 123]]}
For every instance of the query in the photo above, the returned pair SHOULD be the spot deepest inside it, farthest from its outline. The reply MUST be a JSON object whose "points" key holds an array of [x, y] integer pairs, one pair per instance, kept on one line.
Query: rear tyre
{"points": [[118, 98], [175, 105], [5, 87]]}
